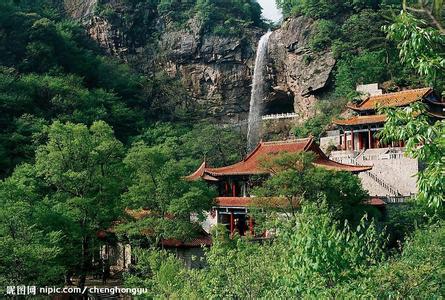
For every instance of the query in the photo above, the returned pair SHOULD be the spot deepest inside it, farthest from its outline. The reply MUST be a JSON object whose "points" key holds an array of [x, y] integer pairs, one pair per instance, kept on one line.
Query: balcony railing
{"points": [[279, 116]]}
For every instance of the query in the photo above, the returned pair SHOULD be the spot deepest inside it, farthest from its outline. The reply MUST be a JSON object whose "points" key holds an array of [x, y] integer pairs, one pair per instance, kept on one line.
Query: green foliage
{"points": [[309, 254], [316, 254], [158, 271], [313, 8], [367, 67], [228, 17], [23, 245], [157, 186], [51, 70], [421, 47], [325, 32], [157, 162], [316, 126], [218, 146], [425, 142], [83, 167], [402, 219], [360, 32], [416, 273]]}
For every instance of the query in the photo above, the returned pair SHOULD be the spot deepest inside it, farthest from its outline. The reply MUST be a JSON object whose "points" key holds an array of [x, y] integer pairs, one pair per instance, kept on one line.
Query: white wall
{"points": [[389, 164]]}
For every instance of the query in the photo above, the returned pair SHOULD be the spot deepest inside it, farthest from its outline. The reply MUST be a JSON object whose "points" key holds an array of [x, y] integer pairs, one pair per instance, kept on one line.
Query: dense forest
{"points": [[85, 136]]}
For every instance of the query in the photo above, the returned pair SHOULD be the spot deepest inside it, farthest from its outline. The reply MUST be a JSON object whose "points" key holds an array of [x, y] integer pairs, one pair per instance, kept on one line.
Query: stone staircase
{"points": [[391, 191], [372, 181]]}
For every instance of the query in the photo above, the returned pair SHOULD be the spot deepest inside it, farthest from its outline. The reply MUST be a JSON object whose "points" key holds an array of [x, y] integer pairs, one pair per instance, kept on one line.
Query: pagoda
{"points": [[234, 182]]}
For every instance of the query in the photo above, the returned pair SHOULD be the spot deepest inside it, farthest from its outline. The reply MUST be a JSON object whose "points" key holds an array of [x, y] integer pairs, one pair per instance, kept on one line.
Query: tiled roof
{"points": [[253, 201], [376, 202], [361, 120], [401, 98], [251, 164], [203, 240], [233, 201], [142, 213]]}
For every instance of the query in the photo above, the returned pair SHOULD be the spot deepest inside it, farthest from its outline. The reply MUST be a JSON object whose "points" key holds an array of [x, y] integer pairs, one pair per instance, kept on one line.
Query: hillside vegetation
{"points": [[355, 32], [84, 139]]}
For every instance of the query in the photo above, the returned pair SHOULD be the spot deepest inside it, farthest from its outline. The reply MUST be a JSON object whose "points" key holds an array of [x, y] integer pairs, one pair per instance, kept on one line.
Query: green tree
{"points": [[228, 17], [296, 180], [416, 273], [309, 255], [157, 185], [421, 47], [23, 244], [367, 67], [83, 168], [219, 146], [316, 253], [313, 8], [158, 271]]}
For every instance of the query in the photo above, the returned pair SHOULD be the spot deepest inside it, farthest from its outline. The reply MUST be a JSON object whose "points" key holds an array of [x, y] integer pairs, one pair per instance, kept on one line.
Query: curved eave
{"points": [[198, 173], [335, 166]]}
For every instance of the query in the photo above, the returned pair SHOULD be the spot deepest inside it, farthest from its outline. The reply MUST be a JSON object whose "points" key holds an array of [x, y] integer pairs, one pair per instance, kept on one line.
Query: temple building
{"points": [[232, 205], [358, 132], [234, 182], [393, 176]]}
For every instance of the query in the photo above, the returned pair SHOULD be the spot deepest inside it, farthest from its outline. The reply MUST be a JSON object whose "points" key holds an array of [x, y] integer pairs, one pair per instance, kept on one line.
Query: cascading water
{"points": [[257, 94]]}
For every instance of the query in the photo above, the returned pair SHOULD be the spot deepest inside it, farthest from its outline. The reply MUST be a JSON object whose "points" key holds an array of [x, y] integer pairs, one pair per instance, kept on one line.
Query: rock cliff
{"points": [[296, 71], [215, 70]]}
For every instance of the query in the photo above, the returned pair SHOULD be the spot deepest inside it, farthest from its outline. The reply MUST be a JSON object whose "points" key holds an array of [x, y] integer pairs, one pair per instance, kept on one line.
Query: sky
{"points": [[270, 10]]}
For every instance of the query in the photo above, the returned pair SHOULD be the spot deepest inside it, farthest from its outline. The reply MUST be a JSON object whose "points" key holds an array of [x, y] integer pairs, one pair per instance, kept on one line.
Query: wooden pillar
{"points": [[360, 141], [251, 225], [233, 189], [232, 223], [352, 140], [369, 138], [226, 189], [345, 145]]}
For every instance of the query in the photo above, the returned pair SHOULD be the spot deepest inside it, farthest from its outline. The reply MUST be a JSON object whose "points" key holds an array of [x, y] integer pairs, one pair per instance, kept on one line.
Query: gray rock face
{"points": [[216, 71], [295, 69], [80, 9]]}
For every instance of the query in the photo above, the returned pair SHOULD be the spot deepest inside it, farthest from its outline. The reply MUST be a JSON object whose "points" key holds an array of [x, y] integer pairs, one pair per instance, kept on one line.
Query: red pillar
{"points": [[369, 138], [233, 190], [251, 225], [352, 139], [345, 145], [360, 141], [232, 223], [226, 188]]}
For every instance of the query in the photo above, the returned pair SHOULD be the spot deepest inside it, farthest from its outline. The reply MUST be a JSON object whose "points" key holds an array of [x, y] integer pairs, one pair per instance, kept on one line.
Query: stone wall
{"points": [[389, 165]]}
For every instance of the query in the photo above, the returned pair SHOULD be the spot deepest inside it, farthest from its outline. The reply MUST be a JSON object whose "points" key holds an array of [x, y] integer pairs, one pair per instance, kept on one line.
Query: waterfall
{"points": [[257, 94]]}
